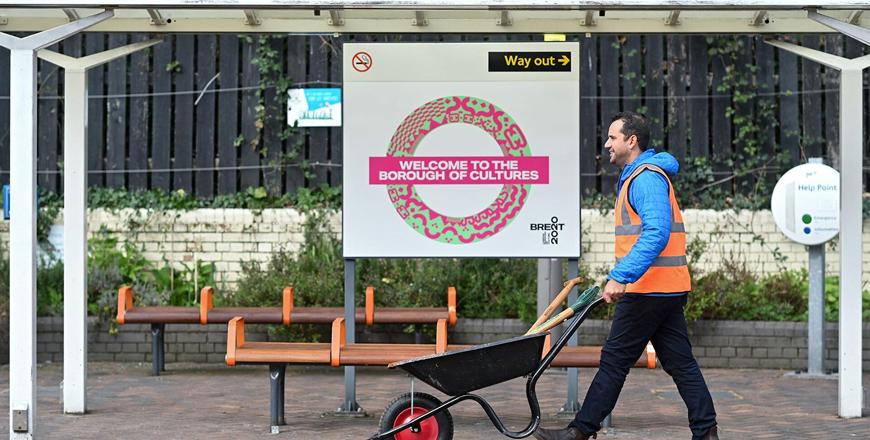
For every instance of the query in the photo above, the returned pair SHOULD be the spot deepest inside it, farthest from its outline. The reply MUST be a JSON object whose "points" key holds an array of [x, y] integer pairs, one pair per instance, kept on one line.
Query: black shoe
{"points": [[712, 434], [569, 433]]}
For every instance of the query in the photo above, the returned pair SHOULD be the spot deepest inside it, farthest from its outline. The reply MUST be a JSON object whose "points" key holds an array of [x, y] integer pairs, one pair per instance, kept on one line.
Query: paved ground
{"points": [[216, 402]]}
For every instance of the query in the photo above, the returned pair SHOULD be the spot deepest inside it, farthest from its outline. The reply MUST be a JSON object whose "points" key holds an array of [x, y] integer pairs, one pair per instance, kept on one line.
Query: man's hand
{"points": [[613, 290]]}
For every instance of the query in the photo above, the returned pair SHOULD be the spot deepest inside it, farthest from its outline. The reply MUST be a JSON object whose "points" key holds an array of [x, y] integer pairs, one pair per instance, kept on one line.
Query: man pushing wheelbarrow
{"points": [[649, 285]]}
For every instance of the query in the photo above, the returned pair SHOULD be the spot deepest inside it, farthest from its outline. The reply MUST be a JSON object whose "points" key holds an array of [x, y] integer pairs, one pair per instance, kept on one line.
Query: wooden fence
{"points": [[186, 113]]}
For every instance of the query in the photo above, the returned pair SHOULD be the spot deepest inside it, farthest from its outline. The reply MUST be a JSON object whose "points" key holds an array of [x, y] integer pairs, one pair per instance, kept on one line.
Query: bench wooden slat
{"points": [[252, 315], [206, 312], [267, 352], [339, 353], [161, 315]]}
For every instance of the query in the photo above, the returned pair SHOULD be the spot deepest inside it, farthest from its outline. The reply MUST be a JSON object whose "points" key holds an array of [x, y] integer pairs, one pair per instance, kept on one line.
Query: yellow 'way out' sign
{"points": [[529, 61]]}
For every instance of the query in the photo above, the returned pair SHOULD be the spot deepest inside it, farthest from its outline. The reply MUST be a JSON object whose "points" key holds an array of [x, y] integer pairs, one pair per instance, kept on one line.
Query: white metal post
{"points": [[22, 243], [22, 227], [75, 244], [851, 187], [851, 392]]}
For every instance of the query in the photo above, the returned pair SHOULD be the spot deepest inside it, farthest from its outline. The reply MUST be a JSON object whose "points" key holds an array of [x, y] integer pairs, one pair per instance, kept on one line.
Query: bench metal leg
{"points": [[276, 396], [157, 355], [282, 388]]}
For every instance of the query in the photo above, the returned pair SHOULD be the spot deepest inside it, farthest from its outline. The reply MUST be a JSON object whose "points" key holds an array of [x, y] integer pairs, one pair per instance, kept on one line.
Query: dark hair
{"points": [[634, 124]]}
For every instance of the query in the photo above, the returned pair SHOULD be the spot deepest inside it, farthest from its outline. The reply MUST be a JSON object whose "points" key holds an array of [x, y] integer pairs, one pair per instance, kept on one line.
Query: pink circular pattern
{"points": [[466, 110]]}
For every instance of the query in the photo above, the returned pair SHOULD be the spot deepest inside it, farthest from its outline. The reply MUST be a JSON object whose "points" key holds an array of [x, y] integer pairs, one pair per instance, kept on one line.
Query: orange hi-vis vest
{"points": [[669, 273]]}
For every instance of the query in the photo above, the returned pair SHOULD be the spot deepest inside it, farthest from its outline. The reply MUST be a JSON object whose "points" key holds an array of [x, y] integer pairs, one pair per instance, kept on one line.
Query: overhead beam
{"points": [[352, 21], [448, 4]]}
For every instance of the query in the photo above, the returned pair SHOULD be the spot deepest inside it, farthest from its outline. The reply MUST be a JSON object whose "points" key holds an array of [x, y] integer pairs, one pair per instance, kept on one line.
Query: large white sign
{"points": [[461, 150], [806, 203]]}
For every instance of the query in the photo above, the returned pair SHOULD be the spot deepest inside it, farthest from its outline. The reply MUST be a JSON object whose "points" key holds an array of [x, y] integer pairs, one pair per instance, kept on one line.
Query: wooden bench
{"points": [[339, 353], [287, 314]]}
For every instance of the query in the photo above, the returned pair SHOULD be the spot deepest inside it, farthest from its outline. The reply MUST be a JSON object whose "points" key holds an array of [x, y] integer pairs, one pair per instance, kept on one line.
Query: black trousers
{"points": [[639, 319]]}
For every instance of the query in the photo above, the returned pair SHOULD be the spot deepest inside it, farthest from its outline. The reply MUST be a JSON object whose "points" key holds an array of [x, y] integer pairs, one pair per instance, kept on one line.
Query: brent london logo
{"points": [[515, 169], [549, 231]]}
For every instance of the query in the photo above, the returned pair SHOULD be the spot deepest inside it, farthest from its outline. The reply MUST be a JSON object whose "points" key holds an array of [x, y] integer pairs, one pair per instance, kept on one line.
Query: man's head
{"points": [[627, 137]]}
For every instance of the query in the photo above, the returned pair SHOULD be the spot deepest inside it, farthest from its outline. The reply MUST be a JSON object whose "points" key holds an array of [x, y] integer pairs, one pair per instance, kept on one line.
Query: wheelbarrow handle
{"points": [[556, 302]]}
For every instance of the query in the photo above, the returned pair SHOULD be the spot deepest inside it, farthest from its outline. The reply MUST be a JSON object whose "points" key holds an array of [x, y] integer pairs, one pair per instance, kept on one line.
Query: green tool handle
{"points": [[585, 299]]}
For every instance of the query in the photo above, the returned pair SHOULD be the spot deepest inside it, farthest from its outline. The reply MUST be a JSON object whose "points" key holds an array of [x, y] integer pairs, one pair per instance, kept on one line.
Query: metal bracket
{"points": [[20, 420], [673, 18], [759, 18], [589, 20], [419, 19], [504, 19], [854, 17], [156, 17], [335, 18], [251, 18], [71, 14]]}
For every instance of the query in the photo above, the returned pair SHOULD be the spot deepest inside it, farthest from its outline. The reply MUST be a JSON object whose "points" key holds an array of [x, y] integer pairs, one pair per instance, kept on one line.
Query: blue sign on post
{"points": [[5, 202], [319, 107]]}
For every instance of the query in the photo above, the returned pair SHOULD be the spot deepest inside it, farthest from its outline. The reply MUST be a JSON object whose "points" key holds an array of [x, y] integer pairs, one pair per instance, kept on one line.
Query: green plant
{"points": [[315, 272], [112, 264]]}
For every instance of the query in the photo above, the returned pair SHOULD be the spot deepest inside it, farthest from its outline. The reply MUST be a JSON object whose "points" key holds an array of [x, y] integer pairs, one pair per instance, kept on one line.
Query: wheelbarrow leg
{"points": [[276, 396]]}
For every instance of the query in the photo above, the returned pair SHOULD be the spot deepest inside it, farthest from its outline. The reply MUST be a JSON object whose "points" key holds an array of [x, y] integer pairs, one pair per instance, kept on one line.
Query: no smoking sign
{"points": [[362, 62]]}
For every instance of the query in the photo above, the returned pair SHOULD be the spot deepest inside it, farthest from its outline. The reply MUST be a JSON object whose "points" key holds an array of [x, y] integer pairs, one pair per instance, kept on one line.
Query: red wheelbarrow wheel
{"points": [[399, 412]]}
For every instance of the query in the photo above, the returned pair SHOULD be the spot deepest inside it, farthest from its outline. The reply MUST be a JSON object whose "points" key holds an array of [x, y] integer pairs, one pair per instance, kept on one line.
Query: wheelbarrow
{"points": [[420, 416]]}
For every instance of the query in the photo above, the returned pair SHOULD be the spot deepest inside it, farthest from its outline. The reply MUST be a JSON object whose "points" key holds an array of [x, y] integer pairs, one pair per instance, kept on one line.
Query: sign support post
{"points": [[816, 318]]}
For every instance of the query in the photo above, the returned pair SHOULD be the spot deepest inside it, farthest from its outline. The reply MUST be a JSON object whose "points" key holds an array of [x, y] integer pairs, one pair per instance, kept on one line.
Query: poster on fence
{"points": [[461, 150]]}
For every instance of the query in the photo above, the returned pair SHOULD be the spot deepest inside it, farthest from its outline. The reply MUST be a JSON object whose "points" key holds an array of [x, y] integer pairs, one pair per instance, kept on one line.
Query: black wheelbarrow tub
{"points": [[462, 371]]}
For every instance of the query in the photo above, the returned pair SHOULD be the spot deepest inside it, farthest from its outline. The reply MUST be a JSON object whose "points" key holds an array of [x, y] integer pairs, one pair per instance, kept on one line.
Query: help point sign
{"points": [[461, 150], [806, 203]]}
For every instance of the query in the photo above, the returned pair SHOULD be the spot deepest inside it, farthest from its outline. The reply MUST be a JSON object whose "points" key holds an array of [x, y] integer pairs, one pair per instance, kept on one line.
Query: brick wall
{"points": [[750, 237], [229, 237], [720, 344]]}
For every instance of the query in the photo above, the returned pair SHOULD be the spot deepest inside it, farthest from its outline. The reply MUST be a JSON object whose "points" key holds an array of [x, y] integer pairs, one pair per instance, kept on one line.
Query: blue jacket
{"points": [[648, 196]]}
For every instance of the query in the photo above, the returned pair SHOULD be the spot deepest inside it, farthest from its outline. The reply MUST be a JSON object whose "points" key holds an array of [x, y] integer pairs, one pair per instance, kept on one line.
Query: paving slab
{"points": [[210, 401]]}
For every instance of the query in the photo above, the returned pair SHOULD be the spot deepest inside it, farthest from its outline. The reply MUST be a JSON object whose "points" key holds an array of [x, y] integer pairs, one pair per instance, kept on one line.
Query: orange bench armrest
{"points": [[339, 337], [441, 336], [206, 303], [235, 338], [451, 306], [287, 305], [370, 305], [125, 302], [650, 356]]}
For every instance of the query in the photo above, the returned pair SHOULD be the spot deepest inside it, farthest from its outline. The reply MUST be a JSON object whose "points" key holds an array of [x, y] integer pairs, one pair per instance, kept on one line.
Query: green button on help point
{"points": [[807, 219]]}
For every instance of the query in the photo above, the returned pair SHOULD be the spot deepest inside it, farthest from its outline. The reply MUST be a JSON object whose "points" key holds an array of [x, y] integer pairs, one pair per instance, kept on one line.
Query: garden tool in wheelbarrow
{"points": [[420, 416]]}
